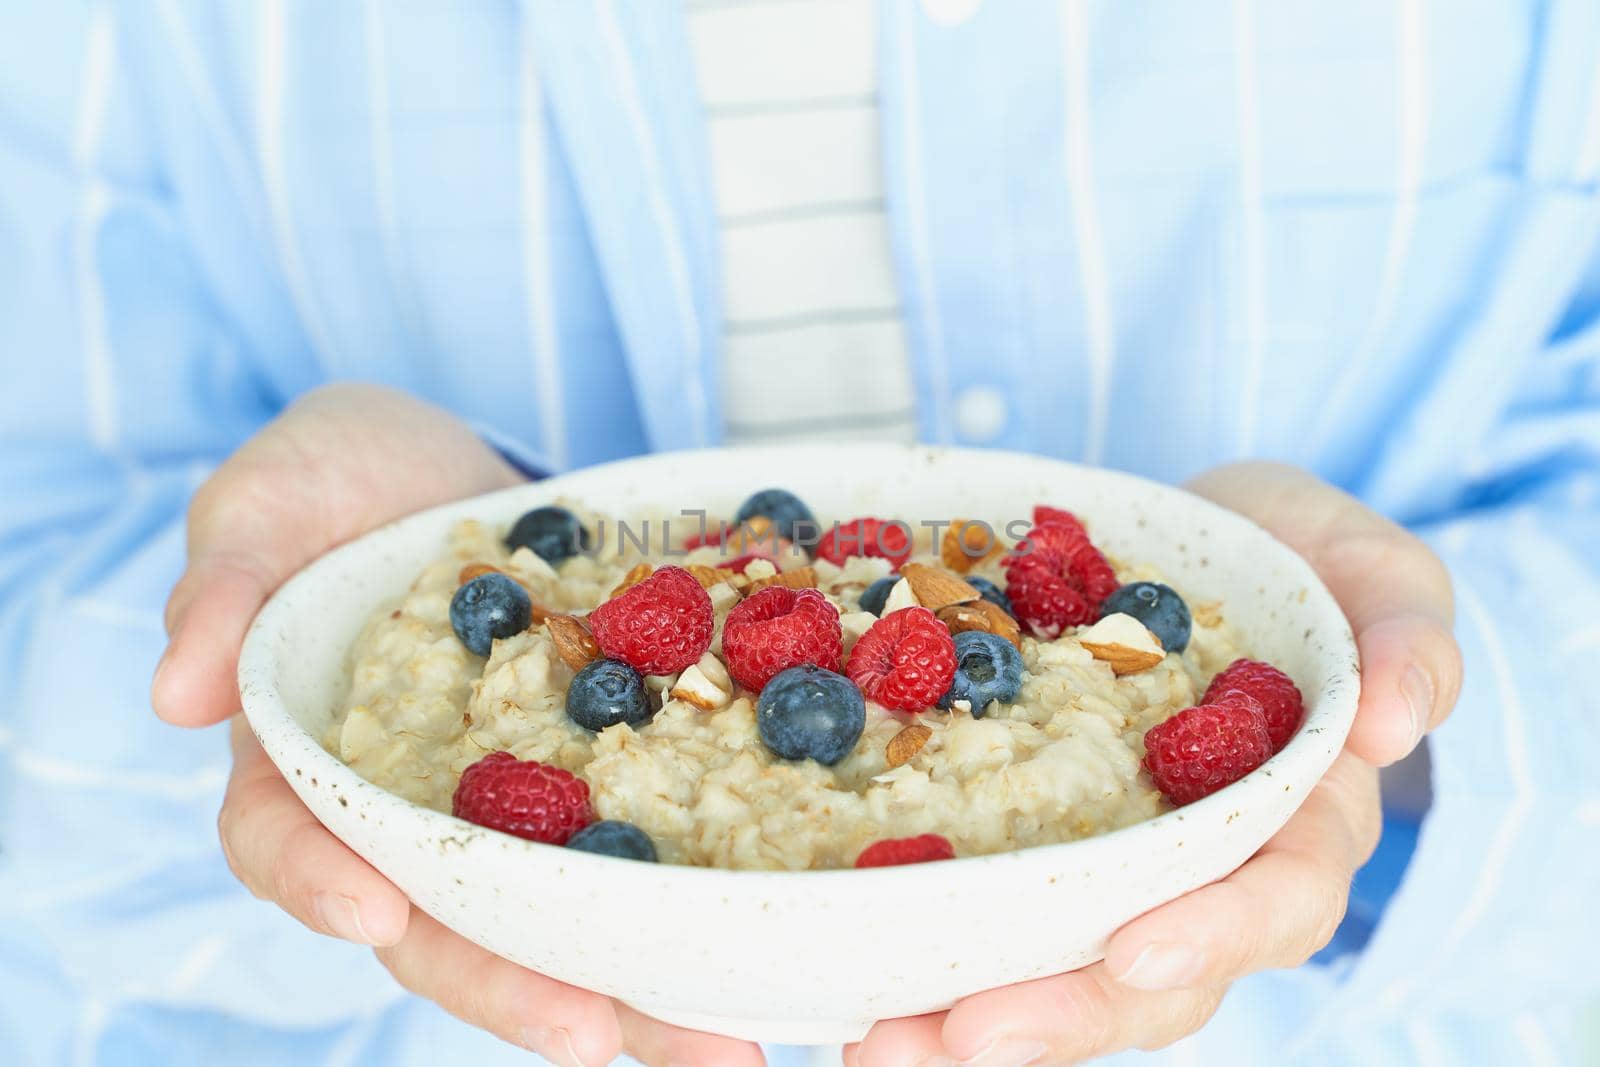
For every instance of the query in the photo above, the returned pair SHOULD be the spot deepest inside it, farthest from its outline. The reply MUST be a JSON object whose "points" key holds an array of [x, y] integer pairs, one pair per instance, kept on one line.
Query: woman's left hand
{"points": [[1165, 972]]}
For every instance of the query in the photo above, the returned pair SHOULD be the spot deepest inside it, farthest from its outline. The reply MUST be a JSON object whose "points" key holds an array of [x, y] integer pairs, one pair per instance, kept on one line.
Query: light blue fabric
{"points": [[1362, 237]]}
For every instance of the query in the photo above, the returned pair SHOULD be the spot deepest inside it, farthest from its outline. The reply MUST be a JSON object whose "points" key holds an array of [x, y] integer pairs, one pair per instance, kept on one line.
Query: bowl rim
{"points": [[267, 713]]}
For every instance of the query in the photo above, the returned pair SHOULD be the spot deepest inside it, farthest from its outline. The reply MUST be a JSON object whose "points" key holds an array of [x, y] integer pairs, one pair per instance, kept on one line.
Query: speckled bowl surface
{"points": [[809, 957]]}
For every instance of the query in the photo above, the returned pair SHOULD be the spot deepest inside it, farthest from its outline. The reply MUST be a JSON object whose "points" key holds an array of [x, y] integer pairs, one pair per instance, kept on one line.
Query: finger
{"points": [[911, 1042], [322, 473], [1277, 910], [660, 1044], [1069, 1018], [1410, 677], [276, 847], [210, 610], [568, 1026], [1395, 592]]}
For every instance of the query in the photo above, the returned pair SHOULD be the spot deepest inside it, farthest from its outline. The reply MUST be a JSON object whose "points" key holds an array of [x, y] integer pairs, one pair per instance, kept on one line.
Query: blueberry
{"points": [[988, 668], [991, 592], [605, 693], [877, 594], [489, 606], [809, 713], [1158, 606], [552, 533], [789, 514], [611, 837]]}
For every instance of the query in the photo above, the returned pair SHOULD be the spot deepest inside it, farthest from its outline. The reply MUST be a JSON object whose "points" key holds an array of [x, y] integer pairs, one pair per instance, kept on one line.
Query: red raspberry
{"points": [[1279, 697], [1203, 748], [1057, 578], [779, 628], [906, 661], [712, 536], [899, 850], [526, 798], [1044, 513], [660, 626], [866, 537]]}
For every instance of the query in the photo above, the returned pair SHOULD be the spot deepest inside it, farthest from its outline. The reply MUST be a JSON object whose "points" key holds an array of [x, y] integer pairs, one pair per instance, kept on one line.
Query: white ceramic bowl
{"points": [[809, 957]]}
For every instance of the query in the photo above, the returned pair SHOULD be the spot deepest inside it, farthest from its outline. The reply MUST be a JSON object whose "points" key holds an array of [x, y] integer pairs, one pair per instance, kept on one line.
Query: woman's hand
{"points": [[1166, 971], [340, 462]]}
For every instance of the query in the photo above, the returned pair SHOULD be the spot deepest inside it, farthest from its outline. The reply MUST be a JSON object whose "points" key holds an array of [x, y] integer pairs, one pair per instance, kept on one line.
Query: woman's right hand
{"points": [[339, 462]]}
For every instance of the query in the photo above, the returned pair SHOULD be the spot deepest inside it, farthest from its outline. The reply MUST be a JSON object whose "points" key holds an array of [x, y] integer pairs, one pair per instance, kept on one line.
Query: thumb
{"points": [[210, 609], [339, 462]]}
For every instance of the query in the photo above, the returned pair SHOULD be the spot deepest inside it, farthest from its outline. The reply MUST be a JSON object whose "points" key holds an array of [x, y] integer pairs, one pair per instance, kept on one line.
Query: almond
{"points": [[1122, 642], [705, 684], [900, 596], [639, 573], [966, 544], [799, 578], [758, 569], [983, 616], [756, 530], [905, 744], [936, 587], [476, 570], [852, 624], [709, 576], [574, 643]]}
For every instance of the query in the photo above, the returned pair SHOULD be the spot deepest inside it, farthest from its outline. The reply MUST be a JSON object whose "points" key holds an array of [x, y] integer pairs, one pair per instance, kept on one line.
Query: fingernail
{"points": [[339, 914], [553, 1043], [937, 1061], [1008, 1052], [1164, 966], [1417, 688]]}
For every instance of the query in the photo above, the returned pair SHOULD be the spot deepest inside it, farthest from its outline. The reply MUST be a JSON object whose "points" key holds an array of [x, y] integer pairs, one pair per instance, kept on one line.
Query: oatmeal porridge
{"points": [[749, 702]]}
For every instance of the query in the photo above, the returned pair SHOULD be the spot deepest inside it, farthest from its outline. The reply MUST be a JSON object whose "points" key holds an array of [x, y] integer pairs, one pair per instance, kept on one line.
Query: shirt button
{"points": [[980, 413], [950, 12]]}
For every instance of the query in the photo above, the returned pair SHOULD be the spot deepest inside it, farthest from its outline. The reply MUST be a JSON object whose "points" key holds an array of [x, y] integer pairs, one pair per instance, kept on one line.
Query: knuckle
{"points": [[227, 827], [1331, 897], [212, 499], [1085, 1005], [290, 860], [1186, 1014]]}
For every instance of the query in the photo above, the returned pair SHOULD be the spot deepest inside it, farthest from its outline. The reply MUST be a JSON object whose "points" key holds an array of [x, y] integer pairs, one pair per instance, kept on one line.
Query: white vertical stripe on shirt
{"points": [[1244, 46], [1086, 227], [1426, 1046], [203, 98], [384, 197], [694, 370], [100, 391], [1515, 746], [538, 296], [92, 1017], [355, 1039], [1536, 1046], [196, 964], [1411, 137], [934, 360], [1573, 643], [1588, 166], [271, 90]]}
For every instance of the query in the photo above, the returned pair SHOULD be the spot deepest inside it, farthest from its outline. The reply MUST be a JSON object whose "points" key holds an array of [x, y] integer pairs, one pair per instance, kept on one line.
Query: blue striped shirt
{"points": [[1361, 237]]}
